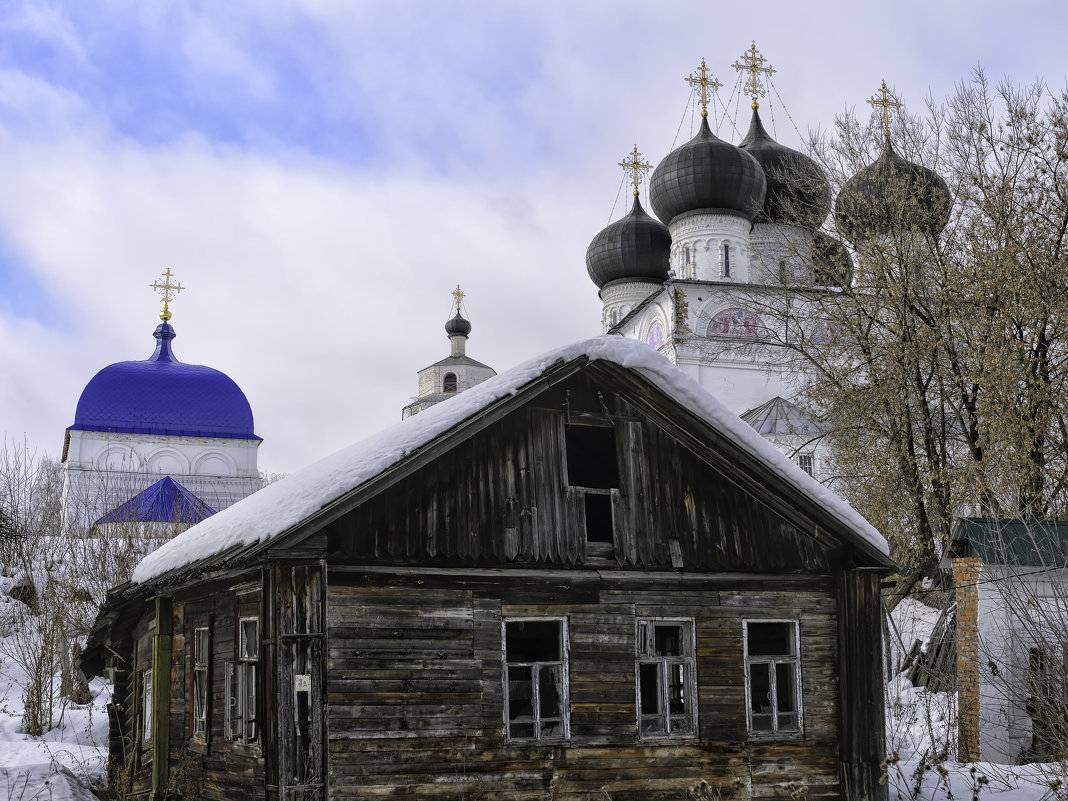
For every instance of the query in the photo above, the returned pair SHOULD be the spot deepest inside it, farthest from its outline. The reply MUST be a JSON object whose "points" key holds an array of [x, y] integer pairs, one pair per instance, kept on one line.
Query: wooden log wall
{"points": [[415, 690]]}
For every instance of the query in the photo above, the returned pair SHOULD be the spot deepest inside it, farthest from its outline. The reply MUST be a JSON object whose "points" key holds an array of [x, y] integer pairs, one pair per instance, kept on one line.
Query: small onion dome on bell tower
{"points": [[892, 195], [458, 326], [707, 173], [635, 248], [831, 263], [798, 193]]}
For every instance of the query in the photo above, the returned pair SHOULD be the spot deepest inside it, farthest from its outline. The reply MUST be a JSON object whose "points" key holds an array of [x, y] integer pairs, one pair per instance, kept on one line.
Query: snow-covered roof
{"points": [[277, 508]]}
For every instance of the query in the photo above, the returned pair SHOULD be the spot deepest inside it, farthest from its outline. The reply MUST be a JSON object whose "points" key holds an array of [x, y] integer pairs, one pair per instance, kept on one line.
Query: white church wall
{"points": [[103, 470]]}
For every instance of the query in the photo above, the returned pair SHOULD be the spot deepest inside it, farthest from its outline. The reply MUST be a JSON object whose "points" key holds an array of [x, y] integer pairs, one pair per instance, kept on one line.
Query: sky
{"points": [[320, 174]]}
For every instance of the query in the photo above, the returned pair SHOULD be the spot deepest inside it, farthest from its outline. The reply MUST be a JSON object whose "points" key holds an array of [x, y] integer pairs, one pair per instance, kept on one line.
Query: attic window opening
{"points": [[591, 457], [448, 383]]}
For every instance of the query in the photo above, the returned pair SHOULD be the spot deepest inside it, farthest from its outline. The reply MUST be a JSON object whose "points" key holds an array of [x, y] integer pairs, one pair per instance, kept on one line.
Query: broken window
{"points": [[241, 720], [772, 673], [667, 697], [201, 654], [592, 468], [535, 679]]}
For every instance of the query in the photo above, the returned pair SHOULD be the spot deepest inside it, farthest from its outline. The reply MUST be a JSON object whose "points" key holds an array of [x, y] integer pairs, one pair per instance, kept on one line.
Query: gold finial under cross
{"points": [[753, 63], [456, 293], [887, 101], [708, 85], [165, 290], [636, 166]]}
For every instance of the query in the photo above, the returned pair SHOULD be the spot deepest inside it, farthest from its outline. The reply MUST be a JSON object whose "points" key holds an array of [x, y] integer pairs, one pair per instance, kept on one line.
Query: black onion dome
{"points": [[798, 192], [457, 326], [831, 263], [892, 194], [707, 173], [637, 247]]}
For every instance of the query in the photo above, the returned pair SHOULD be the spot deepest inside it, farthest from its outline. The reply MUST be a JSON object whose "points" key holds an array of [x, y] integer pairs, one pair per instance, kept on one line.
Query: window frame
{"points": [[688, 660], [200, 713], [242, 687], [146, 707], [726, 251], [801, 457], [771, 661], [565, 682]]}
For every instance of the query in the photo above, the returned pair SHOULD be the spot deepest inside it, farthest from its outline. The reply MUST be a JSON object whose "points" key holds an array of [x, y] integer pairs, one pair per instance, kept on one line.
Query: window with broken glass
{"points": [[667, 678], [772, 676], [241, 720], [535, 679], [201, 654]]}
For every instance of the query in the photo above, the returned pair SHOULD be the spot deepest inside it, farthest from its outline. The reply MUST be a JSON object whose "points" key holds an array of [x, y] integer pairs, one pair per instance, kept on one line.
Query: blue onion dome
{"points": [[831, 263], [635, 248], [707, 173], [457, 326], [892, 195], [798, 192], [163, 396]]}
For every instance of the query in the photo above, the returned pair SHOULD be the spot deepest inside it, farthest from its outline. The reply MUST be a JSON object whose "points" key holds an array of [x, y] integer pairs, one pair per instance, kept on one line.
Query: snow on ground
{"points": [[921, 735], [64, 763]]}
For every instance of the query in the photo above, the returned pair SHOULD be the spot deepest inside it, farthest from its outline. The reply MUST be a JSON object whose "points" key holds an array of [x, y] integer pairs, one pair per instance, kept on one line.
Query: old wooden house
{"points": [[581, 579]]}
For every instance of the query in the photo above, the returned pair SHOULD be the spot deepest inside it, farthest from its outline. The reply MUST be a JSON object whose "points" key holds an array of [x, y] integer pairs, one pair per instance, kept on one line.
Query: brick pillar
{"points": [[965, 575]]}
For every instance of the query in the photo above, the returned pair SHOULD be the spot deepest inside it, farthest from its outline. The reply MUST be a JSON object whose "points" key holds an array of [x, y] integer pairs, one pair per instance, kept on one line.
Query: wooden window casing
{"points": [[146, 706], [773, 677], [242, 676], [666, 678], [201, 688], [536, 699]]}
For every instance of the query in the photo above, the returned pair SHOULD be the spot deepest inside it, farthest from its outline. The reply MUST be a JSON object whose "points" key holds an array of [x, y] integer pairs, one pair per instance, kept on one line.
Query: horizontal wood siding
{"points": [[415, 692]]}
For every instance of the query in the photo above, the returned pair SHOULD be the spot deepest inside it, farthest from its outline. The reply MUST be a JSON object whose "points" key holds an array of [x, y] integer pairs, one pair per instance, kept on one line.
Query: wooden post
{"points": [[161, 696]]}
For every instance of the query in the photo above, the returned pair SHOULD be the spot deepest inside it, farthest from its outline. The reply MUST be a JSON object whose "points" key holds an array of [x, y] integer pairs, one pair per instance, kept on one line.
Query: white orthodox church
{"points": [[158, 441], [738, 236]]}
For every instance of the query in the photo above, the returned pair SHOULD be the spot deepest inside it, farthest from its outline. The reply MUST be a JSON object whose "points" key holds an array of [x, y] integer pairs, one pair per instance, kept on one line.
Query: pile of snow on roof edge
{"points": [[281, 505]]}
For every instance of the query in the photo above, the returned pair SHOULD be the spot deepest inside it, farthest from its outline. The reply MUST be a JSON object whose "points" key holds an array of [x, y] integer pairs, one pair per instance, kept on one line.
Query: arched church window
{"points": [[448, 383], [726, 260], [736, 323], [656, 335]]}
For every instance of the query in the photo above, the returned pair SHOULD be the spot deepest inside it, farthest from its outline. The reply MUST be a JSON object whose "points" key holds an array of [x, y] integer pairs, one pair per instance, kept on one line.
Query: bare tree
{"points": [[940, 371]]}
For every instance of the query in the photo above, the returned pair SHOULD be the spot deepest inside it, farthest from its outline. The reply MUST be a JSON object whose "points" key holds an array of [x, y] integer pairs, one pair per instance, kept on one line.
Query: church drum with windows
{"points": [[583, 577]]}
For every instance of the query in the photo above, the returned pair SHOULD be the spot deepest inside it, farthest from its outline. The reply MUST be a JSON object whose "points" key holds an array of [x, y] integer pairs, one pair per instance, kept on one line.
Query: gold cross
{"points": [[887, 101], [753, 63], [636, 166], [701, 78], [165, 289], [456, 293]]}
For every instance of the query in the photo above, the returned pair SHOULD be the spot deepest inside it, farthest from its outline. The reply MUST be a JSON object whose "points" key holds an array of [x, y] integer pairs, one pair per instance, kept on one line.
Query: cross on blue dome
{"points": [[163, 396]]}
